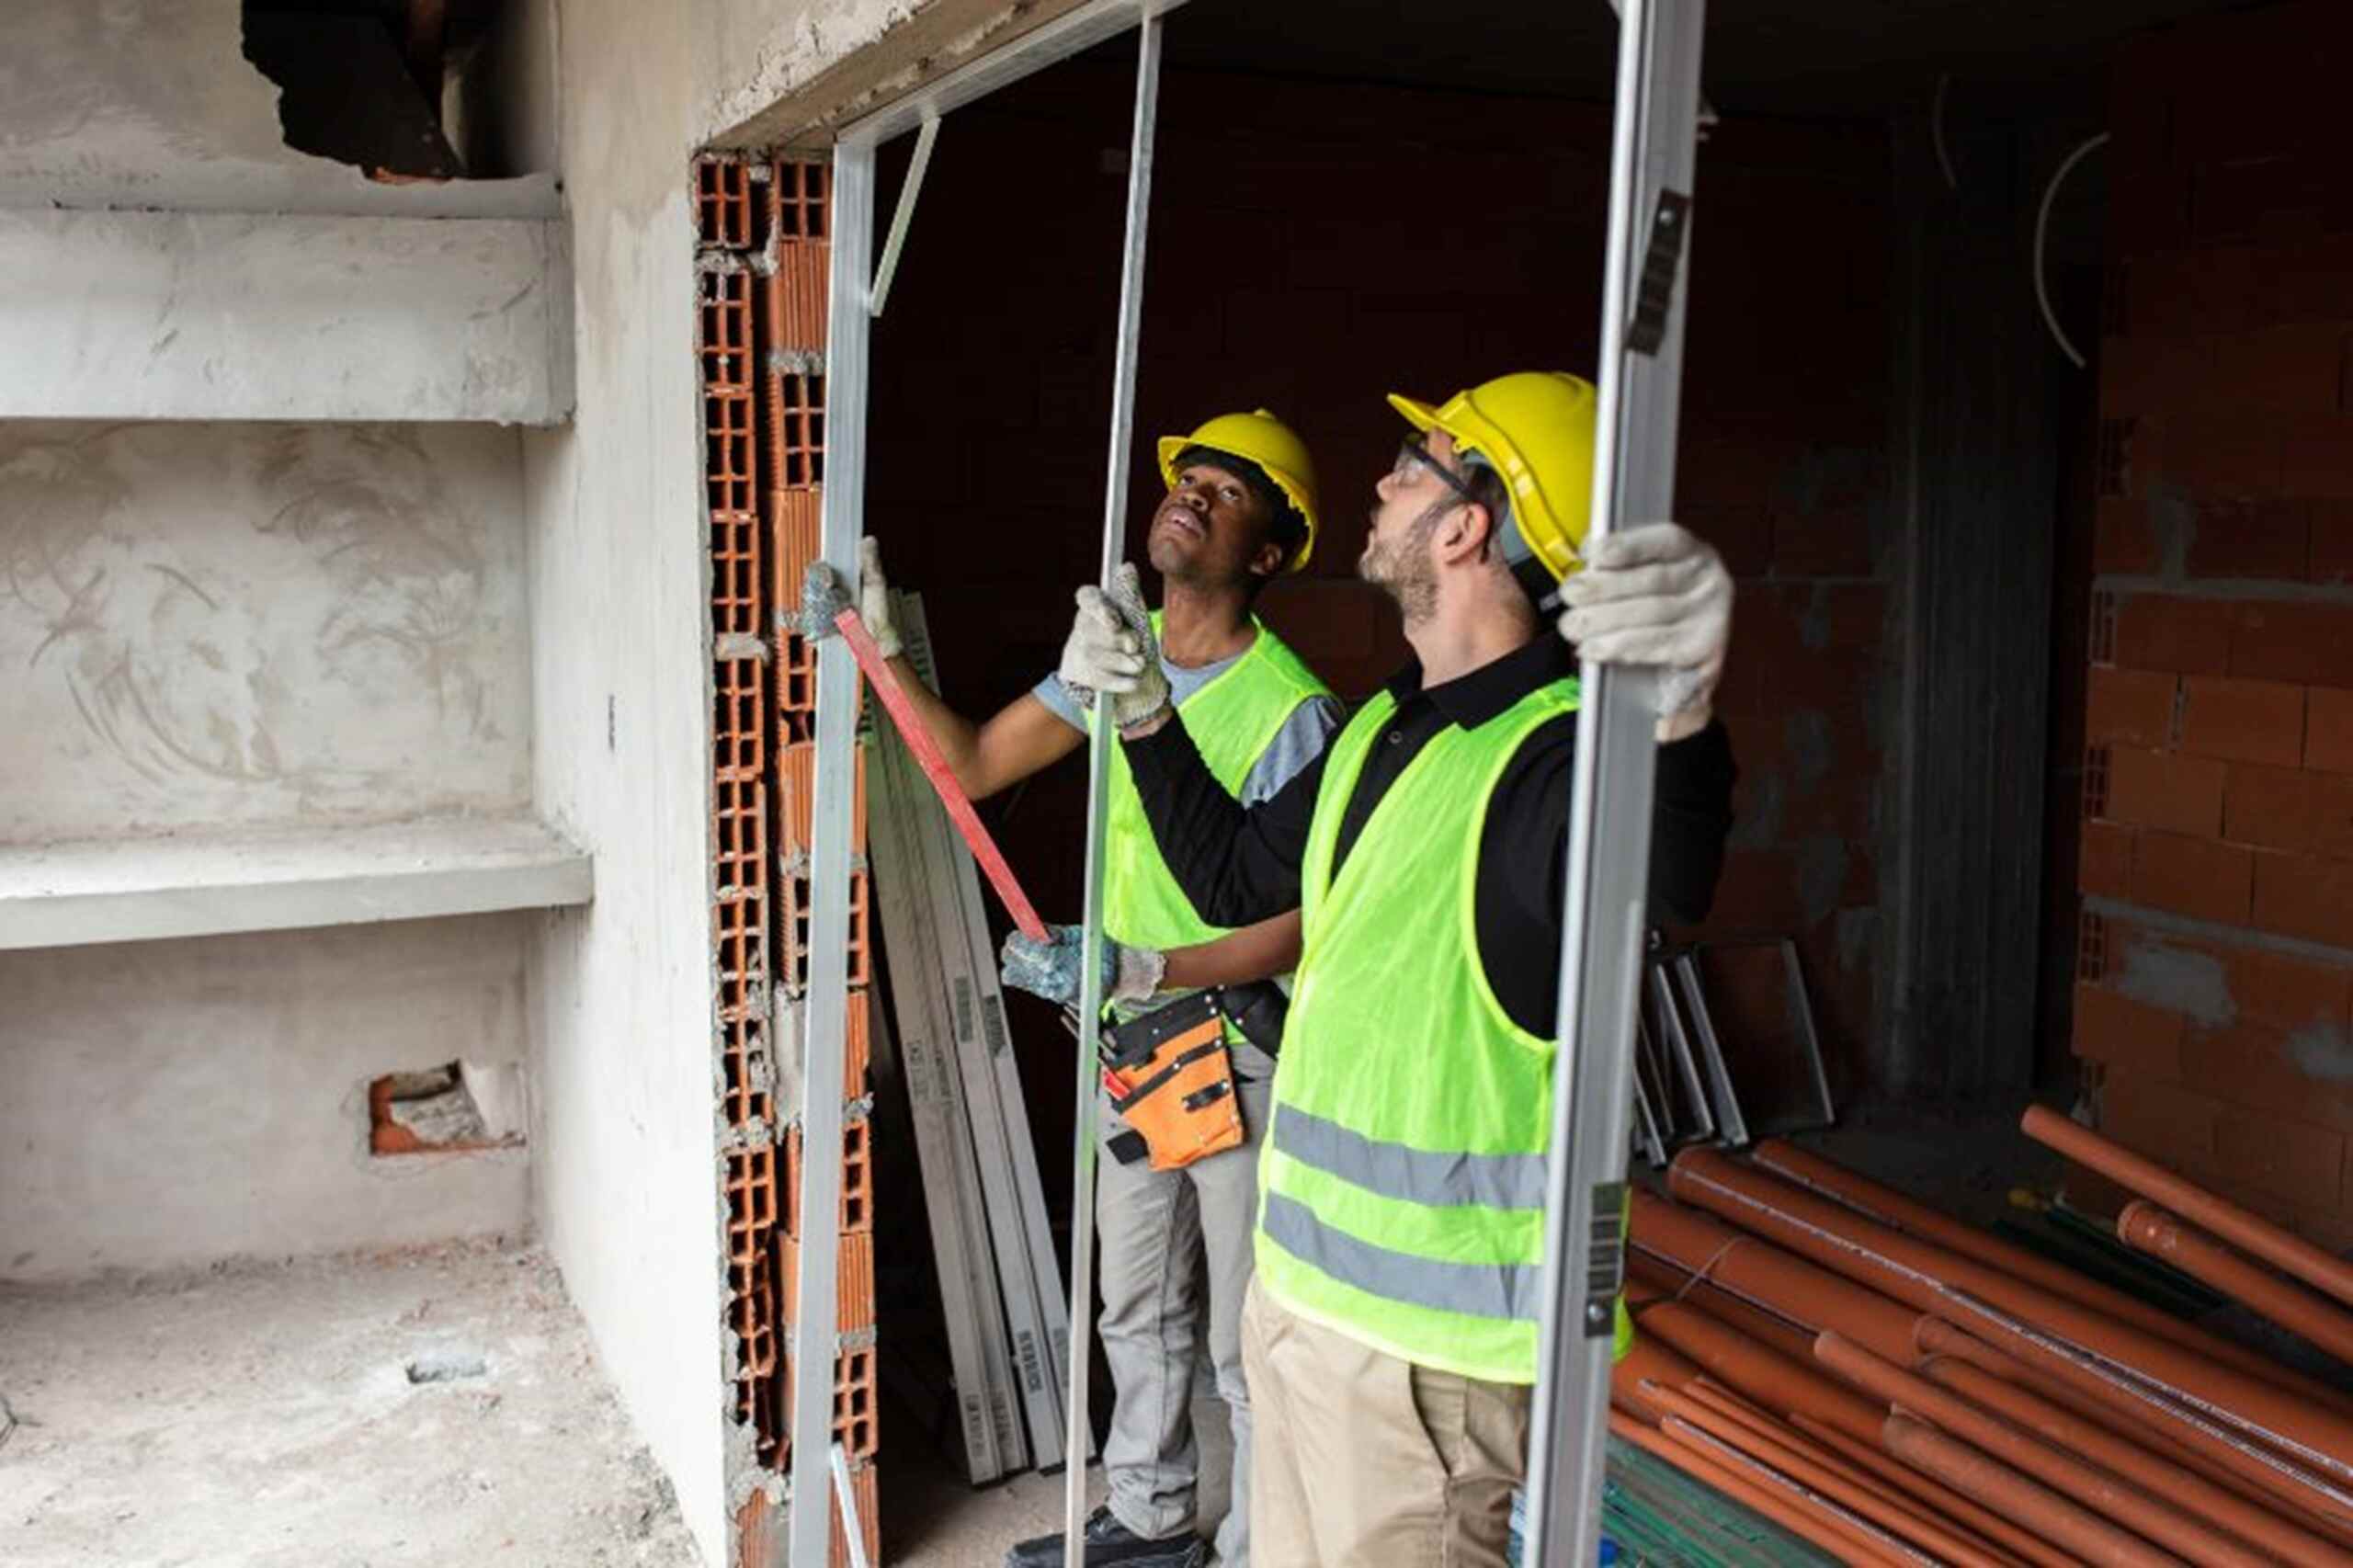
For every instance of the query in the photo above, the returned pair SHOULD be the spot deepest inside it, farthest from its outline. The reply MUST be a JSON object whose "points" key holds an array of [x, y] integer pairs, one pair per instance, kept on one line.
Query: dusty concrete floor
{"points": [[931, 1518], [264, 1416]]}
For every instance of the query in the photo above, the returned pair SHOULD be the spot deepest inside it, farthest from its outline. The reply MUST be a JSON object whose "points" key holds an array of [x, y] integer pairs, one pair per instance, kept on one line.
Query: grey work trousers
{"points": [[1175, 1249]]}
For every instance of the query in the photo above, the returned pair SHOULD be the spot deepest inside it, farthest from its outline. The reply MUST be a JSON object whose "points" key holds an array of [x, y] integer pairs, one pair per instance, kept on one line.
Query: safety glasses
{"points": [[1412, 457]]}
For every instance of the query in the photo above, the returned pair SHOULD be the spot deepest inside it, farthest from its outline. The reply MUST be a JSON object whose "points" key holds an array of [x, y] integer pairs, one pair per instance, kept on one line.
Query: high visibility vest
{"points": [[1401, 1189], [1233, 720]]}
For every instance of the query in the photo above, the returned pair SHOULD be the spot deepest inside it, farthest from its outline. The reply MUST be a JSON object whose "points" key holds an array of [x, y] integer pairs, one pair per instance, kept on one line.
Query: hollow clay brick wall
{"points": [[2215, 962]]}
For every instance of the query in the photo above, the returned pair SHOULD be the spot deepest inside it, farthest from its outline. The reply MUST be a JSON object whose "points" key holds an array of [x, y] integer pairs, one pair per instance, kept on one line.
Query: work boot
{"points": [[1111, 1543]]}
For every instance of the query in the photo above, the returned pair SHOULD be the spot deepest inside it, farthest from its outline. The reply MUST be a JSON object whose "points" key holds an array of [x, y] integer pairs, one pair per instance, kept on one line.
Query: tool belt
{"points": [[1170, 1076]]}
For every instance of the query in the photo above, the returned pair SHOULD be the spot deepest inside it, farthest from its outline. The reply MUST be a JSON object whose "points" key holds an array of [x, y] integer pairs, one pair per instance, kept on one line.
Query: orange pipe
{"points": [[1935, 1495], [1748, 1318], [2225, 1509], [1832, 1480], [1881, 1546], [2250, 1232], [1933, 1279], [2219, 1458], [2093, 1487], [1756, 1271], [2160, 1409], [1788, 1516], [1648, 1359], [1782, 1386], [2086, 1535], [1893, 1210], [2145, 1225]]}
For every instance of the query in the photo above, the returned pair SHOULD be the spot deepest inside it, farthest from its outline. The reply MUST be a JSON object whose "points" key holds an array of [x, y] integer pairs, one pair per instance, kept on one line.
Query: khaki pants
{"points": [[1363, 1460]]}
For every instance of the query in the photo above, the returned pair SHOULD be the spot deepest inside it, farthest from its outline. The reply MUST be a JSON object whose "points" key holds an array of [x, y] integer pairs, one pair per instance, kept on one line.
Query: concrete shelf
{"points": [[130, 890]]}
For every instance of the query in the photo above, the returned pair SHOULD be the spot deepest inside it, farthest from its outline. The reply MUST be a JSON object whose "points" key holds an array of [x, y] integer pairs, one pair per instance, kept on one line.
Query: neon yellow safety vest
{"points": [[1402, 1189], [1233, 720]]}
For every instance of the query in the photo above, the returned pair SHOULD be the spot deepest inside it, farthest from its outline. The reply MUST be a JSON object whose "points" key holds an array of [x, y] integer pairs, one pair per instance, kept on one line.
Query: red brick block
{"points": [[2270, 806], [2243, 720], [2285, 367], [2104, 861], [2286, 991], [2295, 1160], [2316, 456], [2161, 632], [2196, 876], [2131, 708], [2270, 538], [2126, 1034], [2297, 895], [2161, 789], [2123, 539], [2328, 729], [2309, 644], [2167, 1124], [2329, 527], [2253, 1065], [2222, 455], [2150, 373]]}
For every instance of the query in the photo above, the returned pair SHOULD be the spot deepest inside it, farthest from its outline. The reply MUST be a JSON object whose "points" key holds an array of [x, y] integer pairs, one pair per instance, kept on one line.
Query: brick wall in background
{"points": [[2217, 852], [1317, 245]]}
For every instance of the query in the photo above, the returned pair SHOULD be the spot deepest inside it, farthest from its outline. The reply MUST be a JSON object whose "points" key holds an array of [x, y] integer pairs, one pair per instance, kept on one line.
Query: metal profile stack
{"points": [[999, 1278]]}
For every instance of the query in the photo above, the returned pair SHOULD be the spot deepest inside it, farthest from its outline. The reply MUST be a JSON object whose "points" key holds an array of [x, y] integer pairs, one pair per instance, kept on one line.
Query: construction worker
{"points": [[1391, 1334], [1240, 510]]}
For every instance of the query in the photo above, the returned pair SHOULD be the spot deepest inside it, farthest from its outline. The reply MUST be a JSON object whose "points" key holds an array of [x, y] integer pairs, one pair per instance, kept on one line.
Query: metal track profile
{"points": [[1101, 740], [1609, 858]]}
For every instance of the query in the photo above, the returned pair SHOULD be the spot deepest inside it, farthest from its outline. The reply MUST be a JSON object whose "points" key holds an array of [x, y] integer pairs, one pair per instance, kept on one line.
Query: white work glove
{"points": [[1658, 595], [874, 598], [1050, 969], [1113, 649]]}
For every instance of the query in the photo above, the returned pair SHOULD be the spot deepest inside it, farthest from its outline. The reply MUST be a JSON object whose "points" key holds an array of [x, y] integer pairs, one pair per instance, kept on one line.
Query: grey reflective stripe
{"points": [[1430, 1177], [1477, 1290]]}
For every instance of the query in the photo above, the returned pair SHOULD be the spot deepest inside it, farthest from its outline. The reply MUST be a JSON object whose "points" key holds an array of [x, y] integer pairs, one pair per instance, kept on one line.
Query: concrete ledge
{"points": [[135, 890], [221, 316]]}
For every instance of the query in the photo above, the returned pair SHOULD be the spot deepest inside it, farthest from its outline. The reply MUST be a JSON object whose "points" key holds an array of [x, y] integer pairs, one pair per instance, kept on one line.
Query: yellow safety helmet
{"points": [[1260, 438], [1536, 429]]}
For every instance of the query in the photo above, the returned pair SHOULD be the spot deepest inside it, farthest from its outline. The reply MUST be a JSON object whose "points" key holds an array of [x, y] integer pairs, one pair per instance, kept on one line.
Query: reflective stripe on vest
{"points": [[1404, 1180]]}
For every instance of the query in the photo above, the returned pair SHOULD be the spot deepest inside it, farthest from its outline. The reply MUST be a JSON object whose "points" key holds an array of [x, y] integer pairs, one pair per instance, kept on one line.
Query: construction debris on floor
{"points": [[1895, 1386], [437, 1407]]}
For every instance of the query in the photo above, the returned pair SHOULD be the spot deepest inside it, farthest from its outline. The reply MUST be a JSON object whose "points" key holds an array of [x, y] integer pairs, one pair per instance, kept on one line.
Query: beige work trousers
{"points": [[1363, 1460]]}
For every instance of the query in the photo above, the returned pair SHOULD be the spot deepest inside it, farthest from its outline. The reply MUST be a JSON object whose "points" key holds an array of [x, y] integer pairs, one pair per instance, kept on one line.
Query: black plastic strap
{"points": [[1662, 259]]}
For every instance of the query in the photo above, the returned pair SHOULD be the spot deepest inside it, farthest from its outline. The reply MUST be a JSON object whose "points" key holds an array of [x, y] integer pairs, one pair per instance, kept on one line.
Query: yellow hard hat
{"points": [[1536, 429], [1260, 438]]}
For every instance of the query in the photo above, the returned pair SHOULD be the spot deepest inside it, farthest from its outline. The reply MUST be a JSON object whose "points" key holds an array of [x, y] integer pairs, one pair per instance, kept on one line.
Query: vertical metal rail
{"points": [[1079, 1429], [825, 1015], [1608, 860]]}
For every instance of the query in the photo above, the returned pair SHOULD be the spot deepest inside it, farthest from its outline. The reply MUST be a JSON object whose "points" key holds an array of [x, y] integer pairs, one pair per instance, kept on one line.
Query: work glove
{"points": [[874, 598], [1050, 969], [1658, 595], [1113, 649]]}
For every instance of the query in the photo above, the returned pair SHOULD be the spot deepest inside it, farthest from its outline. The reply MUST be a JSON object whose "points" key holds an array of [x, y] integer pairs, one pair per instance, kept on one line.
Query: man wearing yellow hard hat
{"points": [[1240, 510], [1391, 1333]]}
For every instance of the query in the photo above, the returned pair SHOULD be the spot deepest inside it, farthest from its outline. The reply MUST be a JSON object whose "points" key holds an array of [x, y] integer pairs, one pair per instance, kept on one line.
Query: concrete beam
{"points": [[204, 315], [134, 889]]}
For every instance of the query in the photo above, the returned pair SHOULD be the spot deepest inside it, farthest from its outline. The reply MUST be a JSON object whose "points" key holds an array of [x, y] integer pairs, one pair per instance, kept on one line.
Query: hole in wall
{"points": [[389, 86], [463, 1106]]}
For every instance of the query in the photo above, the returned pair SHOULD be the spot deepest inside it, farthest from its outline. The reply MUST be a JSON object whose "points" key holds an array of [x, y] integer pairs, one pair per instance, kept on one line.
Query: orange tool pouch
{"points": [[1171, 1079]]}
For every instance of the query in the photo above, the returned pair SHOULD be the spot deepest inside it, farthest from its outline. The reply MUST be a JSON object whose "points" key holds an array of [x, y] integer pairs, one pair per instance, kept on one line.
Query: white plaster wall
{"points": [[214, 625], [151, 103], [156, 1116]]}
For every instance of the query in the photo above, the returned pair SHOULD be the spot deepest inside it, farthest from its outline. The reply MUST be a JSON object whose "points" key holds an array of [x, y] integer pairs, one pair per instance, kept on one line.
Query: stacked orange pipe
{"points": [[2152, 1229]]}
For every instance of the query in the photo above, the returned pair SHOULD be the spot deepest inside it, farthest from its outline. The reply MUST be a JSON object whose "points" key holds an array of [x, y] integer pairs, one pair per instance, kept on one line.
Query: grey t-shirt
{"points": [[1301, 741]]}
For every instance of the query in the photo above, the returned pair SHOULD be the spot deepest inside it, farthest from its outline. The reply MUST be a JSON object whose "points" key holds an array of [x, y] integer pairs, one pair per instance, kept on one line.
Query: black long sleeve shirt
{"points": [[1239, 864]]}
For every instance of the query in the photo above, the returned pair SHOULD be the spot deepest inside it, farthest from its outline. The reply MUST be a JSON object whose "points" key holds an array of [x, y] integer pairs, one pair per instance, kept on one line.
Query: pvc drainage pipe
{"points": [[2088, 1484], [2219, 1505], [2152, 1229], [1786, 1387], [1745, 1317], [2250, 1231], [1887, 1207], [1933, 1279], [1806, 1526], [2084, 1534], [1934, 1493]]}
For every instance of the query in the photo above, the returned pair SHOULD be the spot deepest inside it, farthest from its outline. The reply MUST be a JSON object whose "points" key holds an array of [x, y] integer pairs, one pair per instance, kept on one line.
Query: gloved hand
{"points": [[874, 598], [1656, 595], [1050, 969], [1113, 649]]}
